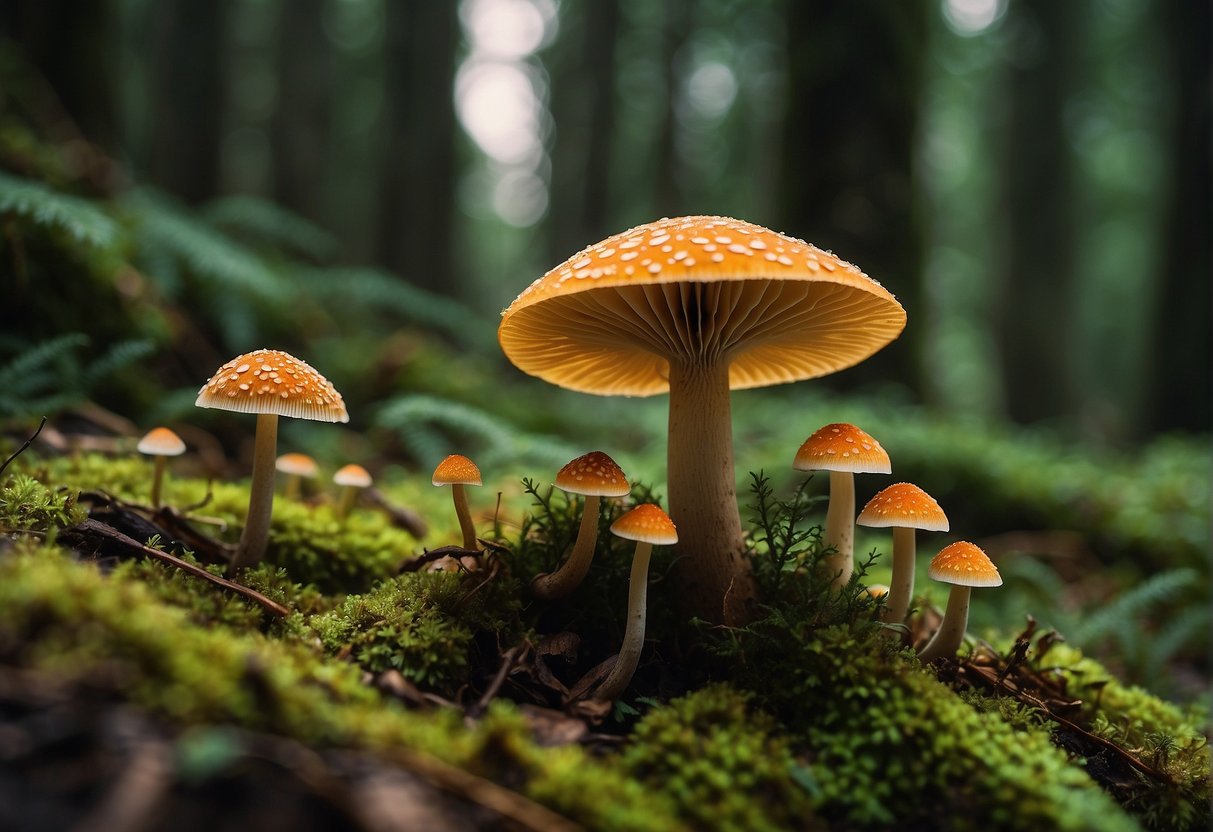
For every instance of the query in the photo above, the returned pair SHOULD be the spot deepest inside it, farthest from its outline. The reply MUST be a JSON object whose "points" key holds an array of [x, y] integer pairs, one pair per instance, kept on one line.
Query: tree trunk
{"points": [[855, 74], [1037, 201], [416, 200], [667, 193], [1182, 388], [300, 128], [188, 96]]}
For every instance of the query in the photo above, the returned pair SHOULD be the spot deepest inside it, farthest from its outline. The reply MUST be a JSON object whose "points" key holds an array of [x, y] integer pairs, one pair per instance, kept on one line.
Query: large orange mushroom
{"points": [[697, 306], [270, 383]]}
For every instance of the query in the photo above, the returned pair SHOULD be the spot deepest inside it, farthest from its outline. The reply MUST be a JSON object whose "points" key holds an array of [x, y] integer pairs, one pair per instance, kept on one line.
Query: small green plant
{"points": [[28, 505]]}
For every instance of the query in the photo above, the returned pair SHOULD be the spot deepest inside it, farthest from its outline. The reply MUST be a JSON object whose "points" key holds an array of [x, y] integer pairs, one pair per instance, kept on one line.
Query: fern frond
{"points": [[120, 355], [1154, 591], [32, 363], [271, 224], [372, 289], [43, 206]]}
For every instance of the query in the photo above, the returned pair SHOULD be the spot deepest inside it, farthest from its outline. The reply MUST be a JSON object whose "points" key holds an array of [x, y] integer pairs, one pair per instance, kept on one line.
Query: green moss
{"points": [[28, 505], [721, 763]]}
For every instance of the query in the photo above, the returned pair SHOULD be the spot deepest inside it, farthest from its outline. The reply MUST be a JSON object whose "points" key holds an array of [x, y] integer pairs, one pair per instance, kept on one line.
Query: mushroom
{"points": [[844, 450], [352, 479], [696, 306], [458, 471], [905, 507], [594, 475], [963, 565], [647, 524], [270, 383], [297, 468], [878, 591], [160, 443]]}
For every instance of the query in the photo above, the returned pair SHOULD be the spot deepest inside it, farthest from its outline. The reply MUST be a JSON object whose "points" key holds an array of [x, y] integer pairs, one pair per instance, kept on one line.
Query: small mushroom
{"points": [[905, 507], [270, 383], [594, 475], [160, 443], [647, 524], [844, 450], [963, 565], [297, 468], [352, 479], [878, 591], [457, 471]]}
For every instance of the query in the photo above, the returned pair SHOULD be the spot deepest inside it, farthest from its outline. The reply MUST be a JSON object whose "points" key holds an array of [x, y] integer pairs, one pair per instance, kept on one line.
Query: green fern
{"points": [[1153, 592], [46, 207], [50, 376], [265, 222]]}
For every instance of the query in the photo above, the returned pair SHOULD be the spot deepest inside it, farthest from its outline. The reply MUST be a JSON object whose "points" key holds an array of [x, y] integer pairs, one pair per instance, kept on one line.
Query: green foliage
{"points": [[422, 624], [270, 225], [28, 505], [43, 206], [721, 762]]}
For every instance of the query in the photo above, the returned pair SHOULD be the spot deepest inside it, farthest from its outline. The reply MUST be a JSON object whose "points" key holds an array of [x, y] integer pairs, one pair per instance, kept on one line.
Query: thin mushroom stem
{"points": [[703, 493], [460, 497], [349, 493], [256, 534], [633, 635], [951, 631], [569, 576], [294, 487], [901, 585], [158, 480], [840, 528]]}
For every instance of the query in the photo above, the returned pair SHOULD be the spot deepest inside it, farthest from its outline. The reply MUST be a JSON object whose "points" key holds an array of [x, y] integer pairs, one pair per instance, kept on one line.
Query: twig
{"points": [[28, 442], [94, 529], [508, 661]]}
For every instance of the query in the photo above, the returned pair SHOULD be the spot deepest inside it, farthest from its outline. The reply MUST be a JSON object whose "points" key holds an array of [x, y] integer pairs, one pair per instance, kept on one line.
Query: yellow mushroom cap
{"points": [[646, 523], [593, 474], [272, 381], [609, 319], [842, 447], [296, 464], [964, 564], [904, 505], [161, 442], [457, 469], [354, 475]]}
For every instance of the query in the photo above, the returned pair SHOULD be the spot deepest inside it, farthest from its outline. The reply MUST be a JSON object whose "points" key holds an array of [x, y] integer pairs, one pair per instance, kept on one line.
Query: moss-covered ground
{"points": [[811, 717]]}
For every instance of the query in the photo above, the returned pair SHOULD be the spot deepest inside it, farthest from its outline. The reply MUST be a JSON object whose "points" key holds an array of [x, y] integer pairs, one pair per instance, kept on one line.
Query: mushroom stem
{"points": [[459, 495], [951, 631], [158, 480], [294, 487], [703, 494], [621, 674], [569, 576], [840, 528], [901, 585], [345, 503], [256, 532]]}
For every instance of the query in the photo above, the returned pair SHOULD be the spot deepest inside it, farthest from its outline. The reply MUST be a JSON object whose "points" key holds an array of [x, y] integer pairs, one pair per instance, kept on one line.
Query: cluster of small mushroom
{"points": [[845, 450]]}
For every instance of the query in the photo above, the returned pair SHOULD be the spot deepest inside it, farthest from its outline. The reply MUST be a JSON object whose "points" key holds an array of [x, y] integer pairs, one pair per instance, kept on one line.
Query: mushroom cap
{"points": [[457, 469], [161, 442], [964, 564], [904, 505], [272, 381], [611, 318], [354, 475], [842, 447], [296, 464], [878, 590], [593, 475], [646, 523]]}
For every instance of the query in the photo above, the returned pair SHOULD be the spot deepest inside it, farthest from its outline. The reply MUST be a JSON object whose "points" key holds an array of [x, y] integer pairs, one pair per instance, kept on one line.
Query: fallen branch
{"points": [[21, 450]]}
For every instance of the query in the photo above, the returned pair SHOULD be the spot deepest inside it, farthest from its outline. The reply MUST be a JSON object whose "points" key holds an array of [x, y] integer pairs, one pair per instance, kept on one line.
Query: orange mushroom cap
{"points": [[607, 319], [646, 523], [161, 442], [904, 505], [297, 464], [964, 564], [457, 469], [354, 475], [842, 447], [593, 474], [272, 381]]}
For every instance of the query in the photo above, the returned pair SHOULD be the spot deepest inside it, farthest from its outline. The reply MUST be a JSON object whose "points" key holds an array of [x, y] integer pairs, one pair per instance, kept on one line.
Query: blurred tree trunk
{"points": [[1036, 285], [300, 128], [70, 44], [188, 95], [583, 107], [416, 200], [1182, 389], [675, 32], [854, 84]]}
